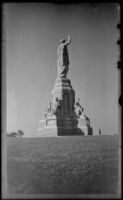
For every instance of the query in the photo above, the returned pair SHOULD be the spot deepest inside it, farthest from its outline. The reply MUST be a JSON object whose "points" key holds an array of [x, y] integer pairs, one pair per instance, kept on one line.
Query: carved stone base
{"points": [[62, 127], [62, 120], [56, 131], [84, 125]]}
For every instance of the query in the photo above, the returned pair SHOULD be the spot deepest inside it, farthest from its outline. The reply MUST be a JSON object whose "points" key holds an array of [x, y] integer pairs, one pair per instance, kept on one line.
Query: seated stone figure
{"points": [[56, 106], [78, 109], [48, 111], [49, 107]]}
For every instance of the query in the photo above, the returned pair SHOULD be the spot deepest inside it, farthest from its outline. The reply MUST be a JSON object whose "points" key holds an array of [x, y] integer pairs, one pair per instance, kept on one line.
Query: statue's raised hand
{"points": [[69, 40]]}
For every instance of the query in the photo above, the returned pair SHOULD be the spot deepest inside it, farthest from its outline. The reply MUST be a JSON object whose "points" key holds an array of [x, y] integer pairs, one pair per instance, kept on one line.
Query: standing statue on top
{"points": [[63, 58]]}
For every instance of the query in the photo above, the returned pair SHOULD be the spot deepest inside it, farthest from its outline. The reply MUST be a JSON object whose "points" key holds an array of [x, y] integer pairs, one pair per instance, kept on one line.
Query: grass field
{"points": [[63, 165]]}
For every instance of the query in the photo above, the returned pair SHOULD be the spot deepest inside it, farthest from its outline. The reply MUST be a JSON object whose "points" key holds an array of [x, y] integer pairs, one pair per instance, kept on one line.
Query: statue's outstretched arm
{"points": [[69, 40]]}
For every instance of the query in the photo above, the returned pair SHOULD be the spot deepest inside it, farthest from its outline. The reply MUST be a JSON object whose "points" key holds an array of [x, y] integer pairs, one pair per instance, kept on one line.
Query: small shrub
{"points": [[12, 134], [20, 133]]}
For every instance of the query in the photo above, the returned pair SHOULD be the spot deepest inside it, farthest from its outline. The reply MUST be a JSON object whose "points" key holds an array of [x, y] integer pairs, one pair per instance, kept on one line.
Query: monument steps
{"points": [[54, 132]]}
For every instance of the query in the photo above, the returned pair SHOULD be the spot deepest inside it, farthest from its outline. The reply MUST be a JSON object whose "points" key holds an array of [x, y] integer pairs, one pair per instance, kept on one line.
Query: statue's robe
{"points": [[63, 60]]}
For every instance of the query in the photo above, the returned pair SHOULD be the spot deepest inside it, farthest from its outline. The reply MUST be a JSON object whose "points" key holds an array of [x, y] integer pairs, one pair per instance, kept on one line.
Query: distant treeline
{"points": [[19, 133]]}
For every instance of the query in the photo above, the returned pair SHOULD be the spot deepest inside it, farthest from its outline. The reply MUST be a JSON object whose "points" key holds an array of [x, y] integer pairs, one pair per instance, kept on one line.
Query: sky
{"points": [[31, 36]]}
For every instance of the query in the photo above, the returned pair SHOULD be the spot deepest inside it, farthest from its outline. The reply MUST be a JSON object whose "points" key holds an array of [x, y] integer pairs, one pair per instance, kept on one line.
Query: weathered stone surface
{"points": [[84, 125], [65, 95], [63, 116]]}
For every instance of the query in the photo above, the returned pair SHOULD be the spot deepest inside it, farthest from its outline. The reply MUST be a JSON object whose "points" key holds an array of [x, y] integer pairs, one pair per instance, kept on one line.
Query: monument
{"points": [[63, 116]]}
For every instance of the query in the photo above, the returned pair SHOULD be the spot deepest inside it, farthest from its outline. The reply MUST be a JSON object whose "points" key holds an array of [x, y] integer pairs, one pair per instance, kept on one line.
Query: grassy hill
{"points": [[63, 165]]}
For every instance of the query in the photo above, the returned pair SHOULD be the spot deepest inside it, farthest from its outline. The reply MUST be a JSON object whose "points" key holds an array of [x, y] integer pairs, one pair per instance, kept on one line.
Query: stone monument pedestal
{"points": [[84, 125], [61, 119]]}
